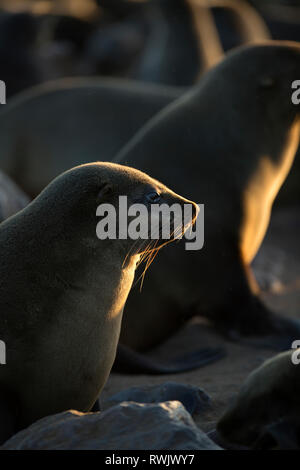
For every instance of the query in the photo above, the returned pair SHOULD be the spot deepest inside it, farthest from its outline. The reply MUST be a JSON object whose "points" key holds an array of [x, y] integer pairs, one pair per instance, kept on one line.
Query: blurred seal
{"points": [[228, 144], [64, 123], [266, 411]]}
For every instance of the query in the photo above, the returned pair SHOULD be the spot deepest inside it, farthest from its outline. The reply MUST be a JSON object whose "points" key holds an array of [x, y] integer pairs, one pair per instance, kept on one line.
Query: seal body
{"points": [[172, 54], [267, 405], [230, 144], [165, 39], [63, 290], [99, 117]]}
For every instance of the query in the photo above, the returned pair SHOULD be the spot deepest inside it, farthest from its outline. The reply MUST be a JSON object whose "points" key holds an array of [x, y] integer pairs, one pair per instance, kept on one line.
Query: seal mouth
{"points": [[167, 230], [150, 250]]}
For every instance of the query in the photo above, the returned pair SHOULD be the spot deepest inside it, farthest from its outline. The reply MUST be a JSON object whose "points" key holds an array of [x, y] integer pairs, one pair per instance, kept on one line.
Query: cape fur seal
{"points": [[229, 144], [63, 291], [65, 123], [266, 411]]}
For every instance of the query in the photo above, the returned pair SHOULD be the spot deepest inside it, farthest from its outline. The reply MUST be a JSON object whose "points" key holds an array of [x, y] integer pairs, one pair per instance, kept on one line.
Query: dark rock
{"points": [[128, 426], [193, 398]]}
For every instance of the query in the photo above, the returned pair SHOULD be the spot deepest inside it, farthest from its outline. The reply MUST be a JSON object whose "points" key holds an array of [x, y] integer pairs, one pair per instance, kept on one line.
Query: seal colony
{"points": [[228, 143], [95, 124], [233, 160], [63, 291]]}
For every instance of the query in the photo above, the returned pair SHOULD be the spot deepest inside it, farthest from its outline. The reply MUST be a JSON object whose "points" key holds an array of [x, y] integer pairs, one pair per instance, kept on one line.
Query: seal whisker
{"points": [[129, 253], [145, 257], [152, 254], [146, 253]]}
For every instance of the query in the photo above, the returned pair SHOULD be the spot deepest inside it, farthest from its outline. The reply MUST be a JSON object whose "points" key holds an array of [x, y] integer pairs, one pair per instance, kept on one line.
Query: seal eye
{"points": [[153, 197]]}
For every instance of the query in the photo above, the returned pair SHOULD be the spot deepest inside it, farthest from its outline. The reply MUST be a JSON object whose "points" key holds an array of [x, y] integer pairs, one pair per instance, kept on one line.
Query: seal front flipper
{"points": [[253, 324], [244, 318], [282, 333], [131, 362]]}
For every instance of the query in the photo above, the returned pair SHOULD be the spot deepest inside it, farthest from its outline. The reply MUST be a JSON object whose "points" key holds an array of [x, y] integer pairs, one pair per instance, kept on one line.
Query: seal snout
{"points": [[186, 215], [196, 211]]}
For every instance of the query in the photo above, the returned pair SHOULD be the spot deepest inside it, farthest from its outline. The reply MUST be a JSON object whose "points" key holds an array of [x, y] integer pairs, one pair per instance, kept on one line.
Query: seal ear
{"points": [[105, 190]]}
